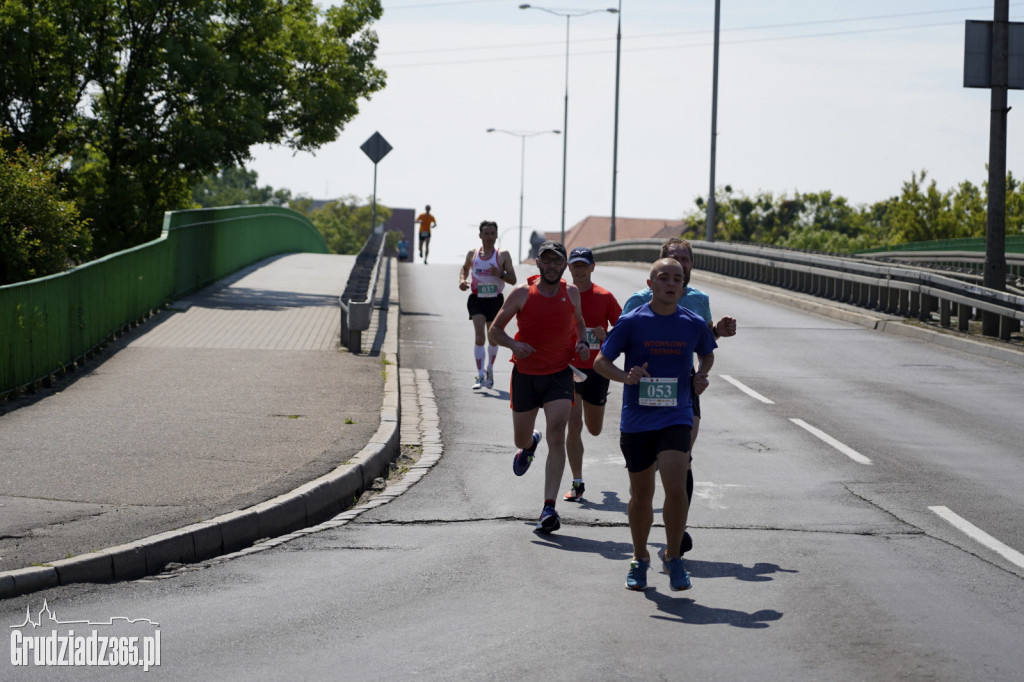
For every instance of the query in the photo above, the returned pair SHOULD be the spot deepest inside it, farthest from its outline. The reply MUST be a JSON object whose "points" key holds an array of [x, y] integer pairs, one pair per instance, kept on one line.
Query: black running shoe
{"points": [[576, 494]]}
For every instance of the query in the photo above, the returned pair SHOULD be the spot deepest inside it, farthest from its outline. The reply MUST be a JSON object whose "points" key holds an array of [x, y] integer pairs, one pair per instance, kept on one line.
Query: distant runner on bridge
{"points": [[485, 273], [426, 222], [551, 335]]}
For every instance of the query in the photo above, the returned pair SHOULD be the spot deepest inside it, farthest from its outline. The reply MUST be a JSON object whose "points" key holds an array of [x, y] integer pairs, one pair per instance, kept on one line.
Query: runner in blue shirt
{"points": [[659, 340], [697, 302]]}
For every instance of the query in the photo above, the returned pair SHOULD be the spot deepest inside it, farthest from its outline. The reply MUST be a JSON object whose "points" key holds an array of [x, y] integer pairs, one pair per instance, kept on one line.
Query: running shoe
{"points": [[686, 545], [489, 379], [576, 494], [523, 458], [636, 579], [678, 578], [549, 521], [479, 383]]}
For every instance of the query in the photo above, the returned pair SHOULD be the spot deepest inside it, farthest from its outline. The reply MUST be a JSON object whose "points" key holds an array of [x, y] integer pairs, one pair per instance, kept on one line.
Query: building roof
{"points": [[594, 230]]}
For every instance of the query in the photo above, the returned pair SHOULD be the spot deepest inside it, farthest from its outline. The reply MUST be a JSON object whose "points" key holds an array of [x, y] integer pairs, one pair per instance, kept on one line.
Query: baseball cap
{"points": [[551, 246], [582, 255]]}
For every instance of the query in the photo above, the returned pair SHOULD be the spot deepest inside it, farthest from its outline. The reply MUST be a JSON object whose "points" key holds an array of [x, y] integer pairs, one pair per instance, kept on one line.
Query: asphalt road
{"points": [[822, 548]]}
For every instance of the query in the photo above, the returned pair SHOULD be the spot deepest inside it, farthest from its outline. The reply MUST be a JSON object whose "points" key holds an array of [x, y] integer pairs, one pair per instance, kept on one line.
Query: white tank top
{"points": [[485, 285]]}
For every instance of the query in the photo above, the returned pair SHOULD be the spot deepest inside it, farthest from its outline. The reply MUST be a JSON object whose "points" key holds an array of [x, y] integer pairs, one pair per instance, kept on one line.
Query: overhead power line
{"points": [[647, 37]]}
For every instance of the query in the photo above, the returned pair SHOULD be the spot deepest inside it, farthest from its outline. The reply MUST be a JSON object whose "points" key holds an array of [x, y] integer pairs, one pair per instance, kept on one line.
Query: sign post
{"points": [[376, 147], [994, 59]]}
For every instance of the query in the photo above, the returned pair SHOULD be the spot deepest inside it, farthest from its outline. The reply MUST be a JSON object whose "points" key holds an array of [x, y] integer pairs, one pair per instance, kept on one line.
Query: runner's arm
{"points": [[608, 370], [508, 273], [496, 332], [464, 272], [725, 327], [700, 379], [582, 347]]}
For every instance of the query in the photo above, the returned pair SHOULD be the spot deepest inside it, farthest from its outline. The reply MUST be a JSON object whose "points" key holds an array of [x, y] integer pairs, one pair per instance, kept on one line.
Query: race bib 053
{"points": [[659, 391]]}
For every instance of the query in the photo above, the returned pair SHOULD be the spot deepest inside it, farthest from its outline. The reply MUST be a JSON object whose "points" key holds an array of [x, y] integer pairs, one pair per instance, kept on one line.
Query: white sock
{"points": [[492, 353], [479, 354]]}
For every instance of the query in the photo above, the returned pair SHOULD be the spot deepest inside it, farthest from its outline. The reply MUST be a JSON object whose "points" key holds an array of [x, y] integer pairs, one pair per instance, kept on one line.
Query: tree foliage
{"points": [[149, 96], [41, 232], [345, 224], [822, 221], [236, 186]]}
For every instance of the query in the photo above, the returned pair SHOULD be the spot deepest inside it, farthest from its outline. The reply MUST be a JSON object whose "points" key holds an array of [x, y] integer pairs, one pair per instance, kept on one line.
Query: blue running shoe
{"points": [[678, 578], [523, 458], [549, 521], [636, 579]]}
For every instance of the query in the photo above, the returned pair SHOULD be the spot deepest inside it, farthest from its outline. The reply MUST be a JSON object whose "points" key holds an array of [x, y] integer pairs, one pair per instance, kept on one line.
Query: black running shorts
{"points": [[488, 307], [641, 448], [595, 389], [530, 391]]}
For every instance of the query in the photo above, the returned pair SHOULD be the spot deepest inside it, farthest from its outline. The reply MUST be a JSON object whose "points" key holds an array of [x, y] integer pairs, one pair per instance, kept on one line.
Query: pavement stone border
{"points": [[322, 498]]}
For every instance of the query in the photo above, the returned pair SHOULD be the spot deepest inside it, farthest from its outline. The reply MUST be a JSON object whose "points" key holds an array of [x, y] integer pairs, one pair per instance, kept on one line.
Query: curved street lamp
{"points": [[522, 170], [568, 14]]}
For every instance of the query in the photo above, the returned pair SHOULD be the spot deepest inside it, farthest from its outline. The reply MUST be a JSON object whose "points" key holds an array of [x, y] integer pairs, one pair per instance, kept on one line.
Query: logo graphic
{"points": [[65, 648]]}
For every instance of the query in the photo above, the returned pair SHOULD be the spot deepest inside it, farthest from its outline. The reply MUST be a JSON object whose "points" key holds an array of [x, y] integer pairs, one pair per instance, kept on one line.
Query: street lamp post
{"points": [[569, 14], [615, 135], [712, 217], [522, 171]]}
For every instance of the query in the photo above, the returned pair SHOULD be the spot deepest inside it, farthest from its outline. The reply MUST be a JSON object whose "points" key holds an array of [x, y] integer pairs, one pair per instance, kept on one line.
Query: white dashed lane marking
{"points": [[746, 389], [978, 535], [845, 449]]}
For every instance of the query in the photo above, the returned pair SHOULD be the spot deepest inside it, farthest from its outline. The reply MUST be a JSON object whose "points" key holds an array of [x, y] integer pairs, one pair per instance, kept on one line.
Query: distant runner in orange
{"points": [[426, 222]]}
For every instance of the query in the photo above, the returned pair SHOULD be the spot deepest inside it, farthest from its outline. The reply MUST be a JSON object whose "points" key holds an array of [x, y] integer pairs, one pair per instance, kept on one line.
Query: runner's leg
{"points": [[522, 428], [556, 415], [673, 465], [640, 510], [574, 439]]}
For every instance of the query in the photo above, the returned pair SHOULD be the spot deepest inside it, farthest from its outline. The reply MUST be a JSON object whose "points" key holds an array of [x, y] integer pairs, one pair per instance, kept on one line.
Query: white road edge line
{"points": [[746, 389], [845, 449], [979, 535]]}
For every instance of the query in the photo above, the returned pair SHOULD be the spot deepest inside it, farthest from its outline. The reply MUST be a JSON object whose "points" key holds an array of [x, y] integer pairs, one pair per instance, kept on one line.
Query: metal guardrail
{"points": [[356, 303], [906, 291], [962, 265]]}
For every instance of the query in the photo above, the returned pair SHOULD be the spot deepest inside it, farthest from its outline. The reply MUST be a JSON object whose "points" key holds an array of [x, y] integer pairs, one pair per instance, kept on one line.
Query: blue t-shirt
{"points": [[694, 300], [667, 344]]}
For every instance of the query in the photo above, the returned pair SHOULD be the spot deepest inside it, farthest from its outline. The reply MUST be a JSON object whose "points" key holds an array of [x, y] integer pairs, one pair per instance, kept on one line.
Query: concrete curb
{"points": [[307, 505]]}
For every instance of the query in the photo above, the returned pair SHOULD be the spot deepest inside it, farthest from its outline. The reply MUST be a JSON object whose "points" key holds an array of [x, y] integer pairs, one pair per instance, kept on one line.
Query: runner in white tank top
{"points": [[484, 284], [485, 279]]}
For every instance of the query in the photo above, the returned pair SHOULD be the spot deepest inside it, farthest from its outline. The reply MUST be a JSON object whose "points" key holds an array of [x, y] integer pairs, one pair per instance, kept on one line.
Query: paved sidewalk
{"points": [[235, 396]]}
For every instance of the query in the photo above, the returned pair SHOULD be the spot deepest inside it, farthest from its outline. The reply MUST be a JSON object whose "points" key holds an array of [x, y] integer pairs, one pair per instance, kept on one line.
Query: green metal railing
{"points": [[49, 323]]}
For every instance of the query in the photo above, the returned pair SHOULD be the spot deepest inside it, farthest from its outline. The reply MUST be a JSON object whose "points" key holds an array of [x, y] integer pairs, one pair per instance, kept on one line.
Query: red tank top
{"points": [[549, 325]]}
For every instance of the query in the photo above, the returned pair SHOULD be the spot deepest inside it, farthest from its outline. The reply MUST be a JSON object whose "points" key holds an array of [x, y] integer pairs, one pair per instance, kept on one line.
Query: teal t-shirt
{"points": [[694, 300]]}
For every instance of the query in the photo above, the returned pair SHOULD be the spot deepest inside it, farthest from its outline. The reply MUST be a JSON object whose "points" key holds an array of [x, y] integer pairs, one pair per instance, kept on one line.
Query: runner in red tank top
{"points": [[600, 310], [551, 334]]}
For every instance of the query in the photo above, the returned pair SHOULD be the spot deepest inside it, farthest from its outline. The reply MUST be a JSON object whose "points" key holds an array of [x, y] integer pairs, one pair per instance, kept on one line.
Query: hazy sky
{"points": [[846, 96]]}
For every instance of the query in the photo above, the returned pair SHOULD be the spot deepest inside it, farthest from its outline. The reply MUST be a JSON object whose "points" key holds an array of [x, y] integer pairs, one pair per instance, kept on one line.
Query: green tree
{"points": [[149, 96], [41, 232], [236, 186], [345, 223]]}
